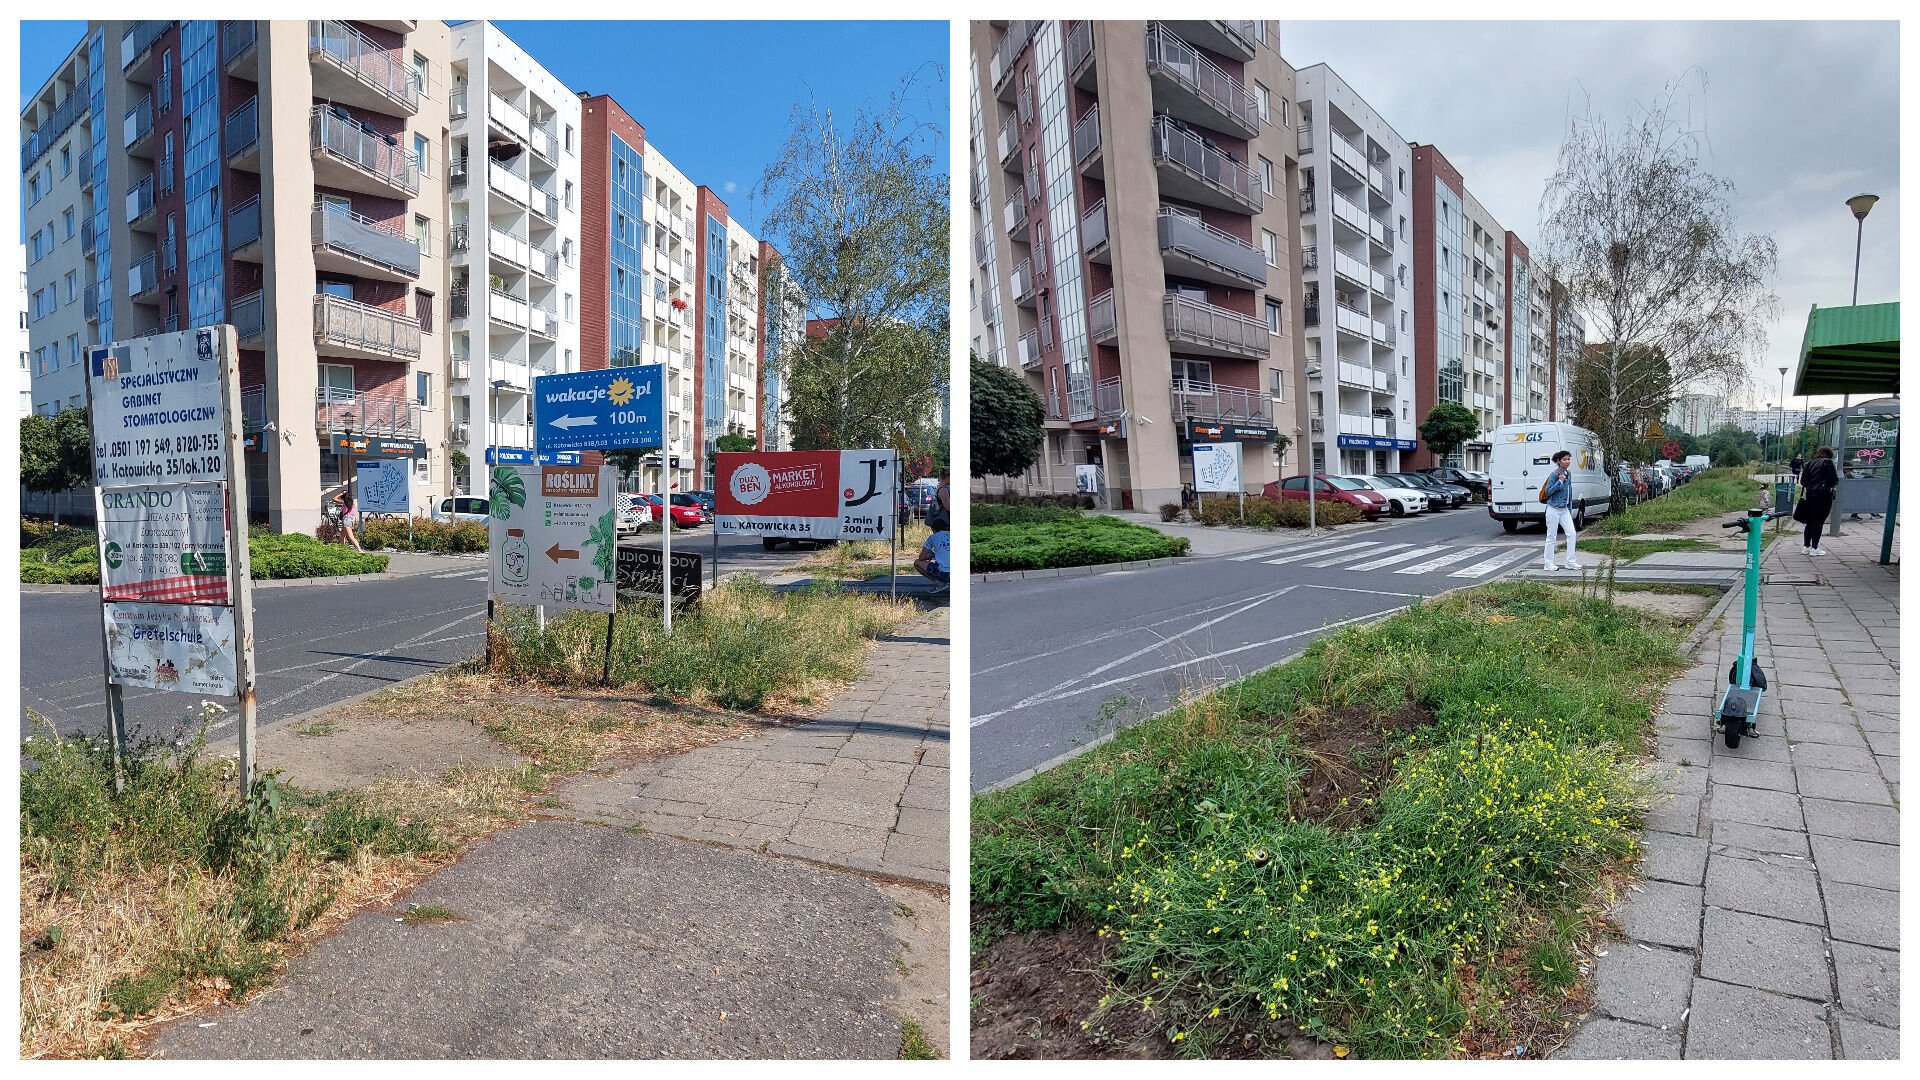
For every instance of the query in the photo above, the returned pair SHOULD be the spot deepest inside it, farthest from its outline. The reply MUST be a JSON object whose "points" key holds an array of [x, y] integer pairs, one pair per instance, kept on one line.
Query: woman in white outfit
{"points": [[1557, 493]]}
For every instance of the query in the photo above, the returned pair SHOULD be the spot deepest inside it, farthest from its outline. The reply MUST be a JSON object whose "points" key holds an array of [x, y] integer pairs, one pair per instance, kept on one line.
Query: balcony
{"points": [[239, 49], [243, 231], [1212, 401], [140, 207], [1093, 233], [1008, 144], [1350, 268], [253, 407], [1102, 322], [507, 116], [90, 303], [1377, 180], [1195, 170], [88, 238], [544, 203], [137, 128], [1365, 424], [1353, 321], [343, 327], [1014, 214], [1079, 51], [66, 114], [1194, 249], [1228, 37], [1381, 235], [350, 412], [1109, 399], [1348, 155], [1349, 213], [543, 320], [1361, 377], [1188, 85], [1310, 258], [352, 70], [1200, 328], [143, 280], [1310, 313], [1028, 349], [1022, 281], [136, 48], [1019, 31], [1086, 144], [460, 434], [248, 315], [347, 243], [1306, 201], [352, 157], [512, 370], [242, 139], [457, 173], [504, 307]]}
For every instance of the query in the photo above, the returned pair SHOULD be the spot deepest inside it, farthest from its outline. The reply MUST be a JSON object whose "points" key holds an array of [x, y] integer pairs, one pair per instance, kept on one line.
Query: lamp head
{"points": [[1860, 204]]}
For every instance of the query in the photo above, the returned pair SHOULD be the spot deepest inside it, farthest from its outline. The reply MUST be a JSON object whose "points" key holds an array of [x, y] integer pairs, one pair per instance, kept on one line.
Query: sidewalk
{"points": [[714, 920], [1768, 926]]}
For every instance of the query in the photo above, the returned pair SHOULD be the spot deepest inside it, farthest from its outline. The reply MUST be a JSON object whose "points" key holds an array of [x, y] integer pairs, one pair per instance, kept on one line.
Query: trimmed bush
{"points": [[1071, 501], [1169, 511], [1265, 513], [1008, 514], [295, 556], [440, 537], [1074, 541]]}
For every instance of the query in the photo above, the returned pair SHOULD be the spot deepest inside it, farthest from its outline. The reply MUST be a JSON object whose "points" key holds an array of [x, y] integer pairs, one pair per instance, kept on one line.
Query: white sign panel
{"points": [[171, 647], [1086, 479], [156, 410], [1216, 466], [386, 486], [164, 543], [807, 494], [552, 537]]}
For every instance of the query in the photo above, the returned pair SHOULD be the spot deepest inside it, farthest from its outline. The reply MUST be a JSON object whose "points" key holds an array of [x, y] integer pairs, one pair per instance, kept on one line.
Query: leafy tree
{"points": [[1731, 445], [56, 453], [1642, 242], [734, 443], [1448, 425], [861, 208], [1621, 420], [1006, 430], [458, 460]]}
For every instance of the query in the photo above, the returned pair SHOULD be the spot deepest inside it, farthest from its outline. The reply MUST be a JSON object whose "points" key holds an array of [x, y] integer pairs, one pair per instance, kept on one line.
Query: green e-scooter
{"points": [[1746, 683]]}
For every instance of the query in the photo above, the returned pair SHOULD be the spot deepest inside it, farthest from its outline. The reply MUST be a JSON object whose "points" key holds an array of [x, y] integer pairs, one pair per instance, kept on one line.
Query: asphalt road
{"points": [[313, 644], [1060, 662]]}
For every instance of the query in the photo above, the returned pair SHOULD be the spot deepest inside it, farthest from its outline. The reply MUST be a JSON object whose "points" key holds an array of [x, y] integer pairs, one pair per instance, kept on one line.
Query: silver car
{"points": [[1401, 501]]}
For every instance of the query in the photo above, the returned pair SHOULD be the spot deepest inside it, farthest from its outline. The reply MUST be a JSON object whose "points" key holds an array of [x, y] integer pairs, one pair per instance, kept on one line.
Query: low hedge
{"points": [[997, 513], [1067, 541], [1265, 513], [441, 537], [1070, 501], [69, 557]]}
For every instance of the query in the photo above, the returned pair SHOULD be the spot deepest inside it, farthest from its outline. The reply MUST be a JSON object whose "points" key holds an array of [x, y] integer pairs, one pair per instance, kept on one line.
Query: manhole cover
{"points": [[1771, 579]]}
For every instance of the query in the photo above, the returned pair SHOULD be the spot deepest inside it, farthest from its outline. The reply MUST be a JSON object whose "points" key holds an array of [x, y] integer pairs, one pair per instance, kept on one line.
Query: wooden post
{"points": [[606, 667], [116, 709]]}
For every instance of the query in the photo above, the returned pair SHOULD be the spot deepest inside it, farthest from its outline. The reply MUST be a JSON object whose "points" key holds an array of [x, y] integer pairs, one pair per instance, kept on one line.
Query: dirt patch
{"points": [[1682, 608], [1349, 752], [920, 923], [1038, 996]]}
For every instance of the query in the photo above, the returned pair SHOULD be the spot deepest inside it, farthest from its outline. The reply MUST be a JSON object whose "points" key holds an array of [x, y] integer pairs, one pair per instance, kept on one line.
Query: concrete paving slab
{"points": [[1679, 859], [1869, 982], [1842, 786], [1754, 806], [1863, 915], [1764, 953], [1737, 1022], [1861, 1041], [1857, 862], [1854, 821], [1663, 913], [1617, 1040], [1736, 836], [1646, 986], [1763, 885]]}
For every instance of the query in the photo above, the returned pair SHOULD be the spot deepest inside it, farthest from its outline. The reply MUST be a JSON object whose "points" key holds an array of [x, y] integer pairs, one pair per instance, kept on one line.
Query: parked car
{"points": [[704, 498], [632, 512], [1479, 483], [1401, 499], [463, 508], [1333, 489], [686, 515], [924, 499], [1440, 494]]}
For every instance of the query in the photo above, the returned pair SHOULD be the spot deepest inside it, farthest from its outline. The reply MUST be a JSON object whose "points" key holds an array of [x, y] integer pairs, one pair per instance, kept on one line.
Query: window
{"points": [[569, 307], [1286, 111], [421, 230], [1260, 31], [1266, 176], [1277, 382], [1270, 244], [566, 252], [1263, 100], [73, 347], [567, 191], [1403, 181], [53, 356], [423, 310], [569, 142], [336, 381], [73, 285], [66, 223], [420, 382], [568, 365], [1273, 316], [340, 287], [66, 160], [1197, 374], [420, 72], [420, 154], [619, 226]]}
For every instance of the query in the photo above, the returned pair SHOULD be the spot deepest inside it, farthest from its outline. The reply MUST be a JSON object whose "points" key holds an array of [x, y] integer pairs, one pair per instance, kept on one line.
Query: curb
{"points": [[1079, 571]]}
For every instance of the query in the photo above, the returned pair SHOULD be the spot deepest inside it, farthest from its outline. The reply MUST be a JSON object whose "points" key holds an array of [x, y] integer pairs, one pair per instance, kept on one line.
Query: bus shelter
{"points": [[1856, 351]]}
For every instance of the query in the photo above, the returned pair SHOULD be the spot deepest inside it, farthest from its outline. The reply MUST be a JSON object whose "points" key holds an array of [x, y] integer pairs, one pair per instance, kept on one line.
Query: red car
{"points": [[687, 511], [1333, 489]]}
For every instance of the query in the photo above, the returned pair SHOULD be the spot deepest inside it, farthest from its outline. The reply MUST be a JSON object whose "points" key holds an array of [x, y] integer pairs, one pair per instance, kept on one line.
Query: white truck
{"points": [[1523, 457], [1697, 461]]}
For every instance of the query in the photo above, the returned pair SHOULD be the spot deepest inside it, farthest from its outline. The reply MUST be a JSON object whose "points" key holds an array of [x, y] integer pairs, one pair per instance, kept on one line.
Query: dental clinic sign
{"points": [[157, 410], [807, 494]]}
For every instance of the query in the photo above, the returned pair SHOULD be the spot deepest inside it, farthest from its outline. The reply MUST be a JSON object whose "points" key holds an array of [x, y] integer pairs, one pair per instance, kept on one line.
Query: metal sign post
{"points": [[666, 543], [116, 709], [239, 563]]}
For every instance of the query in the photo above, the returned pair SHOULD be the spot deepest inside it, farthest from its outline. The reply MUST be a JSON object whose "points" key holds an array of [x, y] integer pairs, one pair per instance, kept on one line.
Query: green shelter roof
{"points": [[1850, 350]]}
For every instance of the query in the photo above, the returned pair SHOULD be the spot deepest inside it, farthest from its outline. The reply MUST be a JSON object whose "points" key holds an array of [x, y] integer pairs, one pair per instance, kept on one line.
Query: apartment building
{"points": [[1136, 243], [24, 344], [283, 177], [1528, 329], [60, 253], [514, 230], [784, 327], [1356, 265]]}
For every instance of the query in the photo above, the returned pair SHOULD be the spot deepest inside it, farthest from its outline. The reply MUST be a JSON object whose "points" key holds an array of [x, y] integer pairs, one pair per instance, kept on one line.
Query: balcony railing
{"points": [[253, 407], [88, 238], [1201, 76], [1345, 209], [339, 229], [457, 239], [363, 327], [243, 224], [1029, 348], [381, 69], [1008, 142], [1205, 162], [163, 175], [1366, 378], [1101, 318], [1022, 280], [347, 141], [1346, 153], [1366, 424], [139, 121], [249, 315], [144, 276], [1015, 211], [90, 301], [139, 38], [1212, 401], [457, 173], [243, 127], [1079, 44], [1355, 270], [236, 37], [1093, 226], [457, 103], [64, 115], [1018, 32], [1310, 314], [1086, 135], [1203, 325], [1109, 398], [1310, 257], [140, 199], [1202, 243], [1306, 201], [349, 412]]}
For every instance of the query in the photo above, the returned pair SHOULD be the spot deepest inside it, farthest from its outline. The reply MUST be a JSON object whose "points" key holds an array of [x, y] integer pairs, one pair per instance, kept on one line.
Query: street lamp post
{"points": [[1860, 205], [1783, 415]]}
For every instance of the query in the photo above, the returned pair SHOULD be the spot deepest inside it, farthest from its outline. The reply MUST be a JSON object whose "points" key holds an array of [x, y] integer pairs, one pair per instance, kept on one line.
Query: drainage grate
{"points": [[1775, 579]]}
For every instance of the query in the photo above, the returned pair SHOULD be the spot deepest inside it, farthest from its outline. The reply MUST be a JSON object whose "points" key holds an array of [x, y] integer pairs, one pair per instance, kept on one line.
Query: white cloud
{"points": [[729, 187]]}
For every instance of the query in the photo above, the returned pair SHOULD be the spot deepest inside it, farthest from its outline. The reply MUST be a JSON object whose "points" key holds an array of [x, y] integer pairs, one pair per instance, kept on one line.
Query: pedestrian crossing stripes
{"points": [[1466, 562]]}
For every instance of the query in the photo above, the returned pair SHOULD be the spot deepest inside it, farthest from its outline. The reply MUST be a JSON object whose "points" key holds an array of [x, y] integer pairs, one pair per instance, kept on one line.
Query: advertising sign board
{"points": [[156, 410], [552, 535], [172, 647], [638, 573], [1216, 466], [606, 409], [807, 494], [386, 486], [163, 543]]}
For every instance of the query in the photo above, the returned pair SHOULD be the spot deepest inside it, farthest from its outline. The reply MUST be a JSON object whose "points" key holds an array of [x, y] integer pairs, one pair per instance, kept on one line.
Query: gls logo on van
{"points": [[1527, 437]]}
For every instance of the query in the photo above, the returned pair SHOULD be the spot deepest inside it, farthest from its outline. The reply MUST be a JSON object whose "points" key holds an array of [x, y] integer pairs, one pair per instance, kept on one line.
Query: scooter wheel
{"points": [[1732, 731]]}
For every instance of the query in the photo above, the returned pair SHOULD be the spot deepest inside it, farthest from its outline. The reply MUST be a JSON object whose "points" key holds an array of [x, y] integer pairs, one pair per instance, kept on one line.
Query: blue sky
{"points": [[713, 96]]}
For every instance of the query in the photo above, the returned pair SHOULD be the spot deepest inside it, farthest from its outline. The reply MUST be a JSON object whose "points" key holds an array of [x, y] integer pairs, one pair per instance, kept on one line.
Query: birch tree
{"points": [[1642, 240]]}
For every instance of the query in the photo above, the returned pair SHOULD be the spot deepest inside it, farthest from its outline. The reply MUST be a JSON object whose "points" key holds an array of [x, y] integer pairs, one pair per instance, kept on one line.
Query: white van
{"points": [[1523, 456]]}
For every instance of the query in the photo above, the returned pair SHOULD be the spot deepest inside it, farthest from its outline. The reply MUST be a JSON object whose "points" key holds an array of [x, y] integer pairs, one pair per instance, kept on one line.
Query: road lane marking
{"points": [[1356, 555], [1443, 560], [1403, 556], [1355, 548], [1315, 545], [1482, 569]]}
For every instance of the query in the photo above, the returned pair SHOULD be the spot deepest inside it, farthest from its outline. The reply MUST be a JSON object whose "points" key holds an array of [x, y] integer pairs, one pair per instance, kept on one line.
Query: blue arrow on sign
{"points": [[611, 409]]}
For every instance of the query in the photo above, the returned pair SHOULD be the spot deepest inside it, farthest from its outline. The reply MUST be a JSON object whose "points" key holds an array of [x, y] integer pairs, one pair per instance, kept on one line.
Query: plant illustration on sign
{"points": [[602, 539], [506, 491]]}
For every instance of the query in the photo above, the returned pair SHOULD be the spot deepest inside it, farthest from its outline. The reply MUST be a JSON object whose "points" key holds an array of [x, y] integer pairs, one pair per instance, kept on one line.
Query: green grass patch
{"points": [[1072, 539], [745, 647], [1714, 492], [914, 1045], [428, 914], [1499, 726], [1629, 550], [68, 556]]}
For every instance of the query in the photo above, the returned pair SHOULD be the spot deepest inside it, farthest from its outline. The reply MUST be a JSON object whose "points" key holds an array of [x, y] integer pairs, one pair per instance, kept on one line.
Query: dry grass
{"points": [[861, 560]]}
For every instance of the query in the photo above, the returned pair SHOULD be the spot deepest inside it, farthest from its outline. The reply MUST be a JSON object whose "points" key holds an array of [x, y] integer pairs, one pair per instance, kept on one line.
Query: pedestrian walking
{"points": [[1557, 493], [1186, 497], [1797, 464], [1819, 479], [343, 505]]}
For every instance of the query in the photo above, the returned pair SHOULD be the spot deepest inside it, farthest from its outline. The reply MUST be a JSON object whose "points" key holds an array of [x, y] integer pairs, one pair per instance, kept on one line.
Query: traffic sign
{"points": [[1670, 450], [922, 466], [610, 409], [1655, 431]]}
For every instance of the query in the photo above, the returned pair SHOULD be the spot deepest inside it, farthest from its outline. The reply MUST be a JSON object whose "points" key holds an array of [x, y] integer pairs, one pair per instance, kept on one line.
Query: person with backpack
{"points": [[1820, 479], [1557, 493]]}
